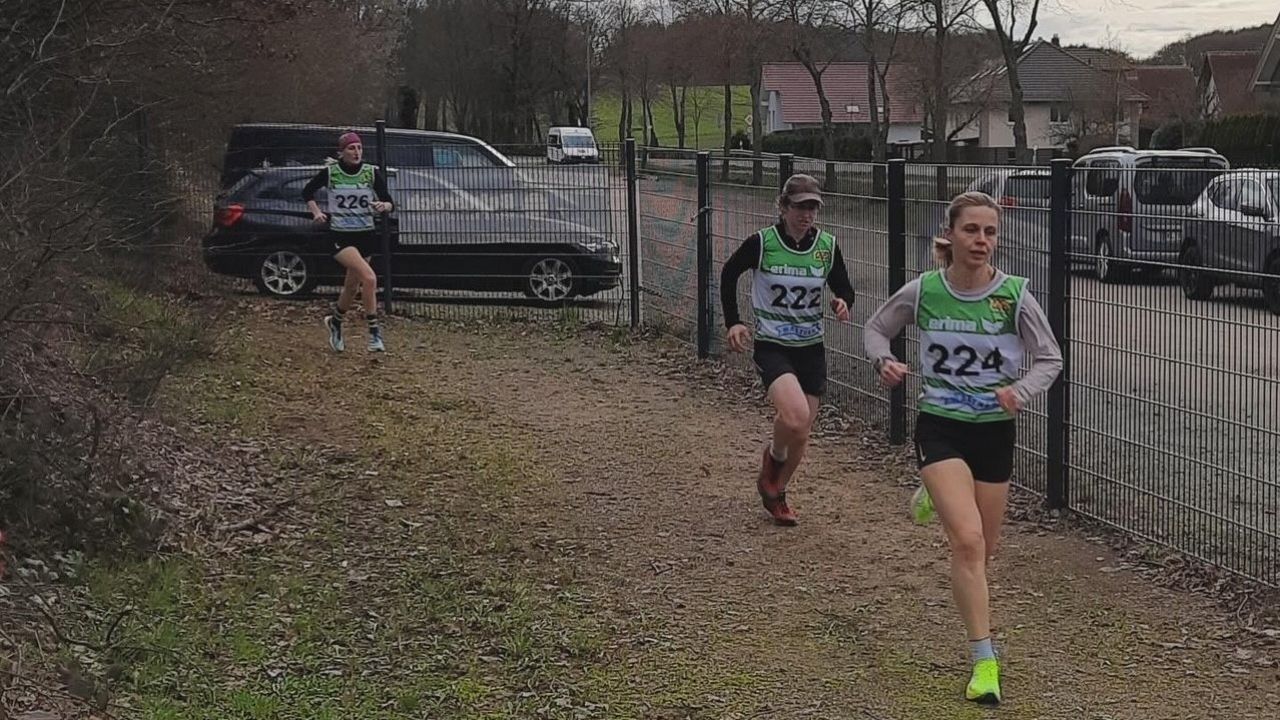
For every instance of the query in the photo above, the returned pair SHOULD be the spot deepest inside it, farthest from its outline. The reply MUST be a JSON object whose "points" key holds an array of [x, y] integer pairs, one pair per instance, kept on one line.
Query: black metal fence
{"points": [[1166, 420], [1162, 282]]}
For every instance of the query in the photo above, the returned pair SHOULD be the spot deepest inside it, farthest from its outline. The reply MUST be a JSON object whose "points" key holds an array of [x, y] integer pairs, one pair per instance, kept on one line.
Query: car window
{"points": [[987, 185], [409, 154], [1251, 193], [1173, 181], [1028, 187], [1225, 195], [464, 156], [290, 190], [578, 141], [1098, 174]]}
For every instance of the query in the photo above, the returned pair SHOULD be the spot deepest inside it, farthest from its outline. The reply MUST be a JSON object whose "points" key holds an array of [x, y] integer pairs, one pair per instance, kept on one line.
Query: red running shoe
{"points": [[771, 494]]}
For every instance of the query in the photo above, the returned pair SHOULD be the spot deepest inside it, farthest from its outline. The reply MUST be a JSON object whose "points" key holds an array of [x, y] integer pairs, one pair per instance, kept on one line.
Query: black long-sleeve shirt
{"points": [[747, 257], [322, 179]]}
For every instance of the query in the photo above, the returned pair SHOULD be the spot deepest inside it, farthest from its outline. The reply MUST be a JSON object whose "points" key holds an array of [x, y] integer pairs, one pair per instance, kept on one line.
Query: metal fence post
{"points": [[381, 131], [897, 225], [633, 231], [704, 255], [944, 187], [1057, 492], [785, 163]]}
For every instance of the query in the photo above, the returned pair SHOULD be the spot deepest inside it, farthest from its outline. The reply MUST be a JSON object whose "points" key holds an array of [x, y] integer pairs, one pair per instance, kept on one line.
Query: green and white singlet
{"points": [[786, 292], [351, 199], [968, 348]]}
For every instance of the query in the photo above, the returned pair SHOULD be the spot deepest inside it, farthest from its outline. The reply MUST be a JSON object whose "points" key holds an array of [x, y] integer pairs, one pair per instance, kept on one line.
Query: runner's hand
{"points": [[1008, 400], [381, 207], [893, 372], [319, 217], [840, 308], [738, 337]]}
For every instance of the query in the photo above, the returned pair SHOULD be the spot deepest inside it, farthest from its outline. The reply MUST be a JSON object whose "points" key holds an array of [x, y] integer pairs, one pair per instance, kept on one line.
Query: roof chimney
{"points": [[1056, 41]]}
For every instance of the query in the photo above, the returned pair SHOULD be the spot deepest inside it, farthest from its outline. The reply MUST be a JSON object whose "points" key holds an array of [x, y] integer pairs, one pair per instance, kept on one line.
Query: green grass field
{"points": [[704, 116]]}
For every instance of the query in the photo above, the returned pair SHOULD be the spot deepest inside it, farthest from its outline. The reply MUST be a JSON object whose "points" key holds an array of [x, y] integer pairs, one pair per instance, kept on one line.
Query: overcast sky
{"points": [[1143, 26]]}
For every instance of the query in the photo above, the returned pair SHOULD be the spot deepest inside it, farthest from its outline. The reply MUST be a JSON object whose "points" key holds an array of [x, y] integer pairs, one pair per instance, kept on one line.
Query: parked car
{"points": [[265, 145], [1024, 196], [1234, 237], [1129, 207], [452, 229], [571, 145]]}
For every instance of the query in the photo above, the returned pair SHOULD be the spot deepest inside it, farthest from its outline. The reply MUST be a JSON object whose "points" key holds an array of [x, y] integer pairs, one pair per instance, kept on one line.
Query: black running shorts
{"points": [[368, 242], [986, 447], [808, 364]]}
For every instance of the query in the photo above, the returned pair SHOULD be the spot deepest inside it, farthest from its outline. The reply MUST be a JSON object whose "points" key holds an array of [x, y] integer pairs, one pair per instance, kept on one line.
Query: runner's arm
{"points": [[887, 321], [839, 280], [745, 258], [320, 180], [1046, 356]]}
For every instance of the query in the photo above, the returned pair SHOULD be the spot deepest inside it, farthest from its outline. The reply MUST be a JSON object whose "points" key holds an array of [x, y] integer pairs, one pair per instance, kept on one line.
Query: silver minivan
{"points": [[1130, 207]]}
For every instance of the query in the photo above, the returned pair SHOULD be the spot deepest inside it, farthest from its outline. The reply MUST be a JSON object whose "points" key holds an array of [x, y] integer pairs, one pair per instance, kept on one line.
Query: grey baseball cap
{"points": [[802, 188]]}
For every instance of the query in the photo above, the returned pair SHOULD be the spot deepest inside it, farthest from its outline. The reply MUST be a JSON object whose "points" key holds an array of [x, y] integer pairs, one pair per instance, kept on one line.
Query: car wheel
{"points": [[1195, 282], [284, 273], [551, 280], [1271, 285], [1105, 266]]}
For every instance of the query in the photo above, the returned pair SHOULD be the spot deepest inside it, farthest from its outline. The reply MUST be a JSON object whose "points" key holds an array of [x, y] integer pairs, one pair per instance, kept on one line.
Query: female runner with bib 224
{"points": [[976, 323]]}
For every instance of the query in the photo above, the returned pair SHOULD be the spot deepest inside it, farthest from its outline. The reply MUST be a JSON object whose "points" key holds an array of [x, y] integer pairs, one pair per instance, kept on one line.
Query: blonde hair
{"points": [[960, 203]]}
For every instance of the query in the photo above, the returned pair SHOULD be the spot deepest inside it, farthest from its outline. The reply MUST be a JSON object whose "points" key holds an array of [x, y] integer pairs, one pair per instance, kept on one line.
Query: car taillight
{"points": [[1008, 201], [229, 215], [1125, 211]]}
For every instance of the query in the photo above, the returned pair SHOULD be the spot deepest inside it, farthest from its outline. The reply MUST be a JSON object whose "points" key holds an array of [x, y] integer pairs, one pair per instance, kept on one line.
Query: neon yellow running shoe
{"points": [[922, 511], [984, 685]]}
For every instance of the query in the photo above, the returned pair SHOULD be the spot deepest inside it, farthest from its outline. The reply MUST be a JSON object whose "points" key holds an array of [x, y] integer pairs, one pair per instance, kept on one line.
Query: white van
{"points": [[571, 145]]}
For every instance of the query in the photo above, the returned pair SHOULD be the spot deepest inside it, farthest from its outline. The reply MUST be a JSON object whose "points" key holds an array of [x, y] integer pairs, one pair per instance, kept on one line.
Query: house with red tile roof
{"points": [[1264, 85], [789, 99], [1225, 80]]}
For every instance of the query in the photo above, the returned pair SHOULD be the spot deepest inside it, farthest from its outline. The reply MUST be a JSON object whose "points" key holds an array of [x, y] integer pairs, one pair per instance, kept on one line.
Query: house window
{"points": [[1059, 114]]}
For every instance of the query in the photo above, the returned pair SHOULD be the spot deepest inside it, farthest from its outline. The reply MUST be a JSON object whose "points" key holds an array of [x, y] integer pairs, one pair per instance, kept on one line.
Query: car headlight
{"points": [[599, 245]]}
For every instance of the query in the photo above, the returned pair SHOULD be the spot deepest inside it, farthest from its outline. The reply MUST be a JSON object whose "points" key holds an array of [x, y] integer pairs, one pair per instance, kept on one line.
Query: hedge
{"points": [[851, 146], [1244, 139]]}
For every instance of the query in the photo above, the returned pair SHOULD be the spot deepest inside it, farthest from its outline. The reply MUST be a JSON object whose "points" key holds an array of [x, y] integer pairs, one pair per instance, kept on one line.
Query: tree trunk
{"points": [[678, 113], [757, 128], [941, 97], [1017, 113], [878, 152], [728, 131]]}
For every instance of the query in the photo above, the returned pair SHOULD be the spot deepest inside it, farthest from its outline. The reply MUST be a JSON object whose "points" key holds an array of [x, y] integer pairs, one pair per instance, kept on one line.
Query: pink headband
{"points": [[347, 138]]}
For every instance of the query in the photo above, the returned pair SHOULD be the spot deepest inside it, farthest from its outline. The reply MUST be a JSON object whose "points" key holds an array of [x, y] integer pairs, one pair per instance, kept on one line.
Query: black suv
{"points": [[456, 228]]}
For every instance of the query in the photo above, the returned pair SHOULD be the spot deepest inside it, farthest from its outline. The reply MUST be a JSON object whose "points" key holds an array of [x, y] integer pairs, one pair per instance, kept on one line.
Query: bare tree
{"points": [[879, 25], [1006, 15], [807, 33], [941, 20]]}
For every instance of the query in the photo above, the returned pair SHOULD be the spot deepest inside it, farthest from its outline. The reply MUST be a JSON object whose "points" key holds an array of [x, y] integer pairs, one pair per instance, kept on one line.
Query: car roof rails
{"points": [[1112, 148], [1200, 150]]}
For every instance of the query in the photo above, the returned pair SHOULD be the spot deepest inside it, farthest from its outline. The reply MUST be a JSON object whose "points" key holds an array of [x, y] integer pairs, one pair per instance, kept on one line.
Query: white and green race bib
{"points": [[786, 292], [351, 199], [968, 348]]}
